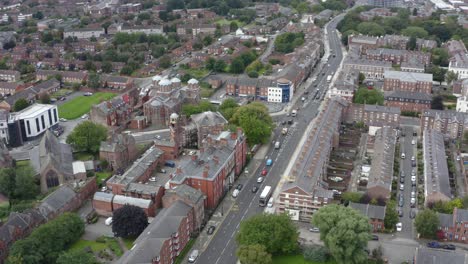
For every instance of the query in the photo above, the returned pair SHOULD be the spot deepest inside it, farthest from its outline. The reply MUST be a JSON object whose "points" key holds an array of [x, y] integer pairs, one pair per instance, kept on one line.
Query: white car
{"points": [[399, 226], [85, 116], [88, 94], [259, 179], [458, 158], [235, 193], [403, 155], [412, 158], [336, 179], [413, 142], [413, 178], [402, 187], [63, 120]]}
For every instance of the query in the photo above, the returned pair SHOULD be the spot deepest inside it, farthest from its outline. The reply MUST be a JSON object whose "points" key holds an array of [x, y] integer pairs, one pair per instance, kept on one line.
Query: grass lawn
{"points": [[101, 176], [129, 242], [81, 105], [296, 259], [197, 73], [21, 163], [104, 242]]}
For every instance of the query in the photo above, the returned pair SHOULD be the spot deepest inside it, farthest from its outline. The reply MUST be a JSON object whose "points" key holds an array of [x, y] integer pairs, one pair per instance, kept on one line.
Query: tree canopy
{"points": [[255, 121], [20, 104], [46, 242], [427, 223], [87, 136], [437, 102], [228, 107], [19, 183], [344, 231], [129, 221], [276, 233], [391, 215], [202, 106], [253, 254], [76, 257], [369, 96], [287, 42]]}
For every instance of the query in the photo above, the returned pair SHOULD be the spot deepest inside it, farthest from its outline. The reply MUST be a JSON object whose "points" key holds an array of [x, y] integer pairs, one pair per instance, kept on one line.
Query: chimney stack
{"points": [[205, 171]]}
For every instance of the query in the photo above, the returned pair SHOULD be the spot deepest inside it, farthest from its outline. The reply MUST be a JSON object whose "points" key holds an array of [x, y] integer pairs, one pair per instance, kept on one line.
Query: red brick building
{"points": [[408, 82], [222, 158], [113, 113], [375, 213], [165, 238], [455, 226], [409, 101], [120, 151]]}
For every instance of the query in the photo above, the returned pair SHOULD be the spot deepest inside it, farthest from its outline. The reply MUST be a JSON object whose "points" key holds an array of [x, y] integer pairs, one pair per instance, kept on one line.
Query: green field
{"points": [[296, 259], [81, 105]]}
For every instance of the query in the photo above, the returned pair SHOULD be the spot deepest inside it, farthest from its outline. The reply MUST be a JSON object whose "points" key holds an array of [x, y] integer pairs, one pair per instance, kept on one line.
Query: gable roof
{"points": [[369, 210]]}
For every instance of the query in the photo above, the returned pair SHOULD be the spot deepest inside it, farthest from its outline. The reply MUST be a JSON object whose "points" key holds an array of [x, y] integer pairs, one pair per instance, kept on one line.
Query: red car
{"points": [[264, 172]]}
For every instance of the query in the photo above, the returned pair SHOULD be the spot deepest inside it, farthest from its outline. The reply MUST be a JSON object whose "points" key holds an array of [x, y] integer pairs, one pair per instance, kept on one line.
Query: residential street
{"points": [[222, 246]]}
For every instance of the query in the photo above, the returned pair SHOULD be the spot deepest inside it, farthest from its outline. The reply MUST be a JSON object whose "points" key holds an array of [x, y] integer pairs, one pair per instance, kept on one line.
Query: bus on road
{"points": [[265, 196]]}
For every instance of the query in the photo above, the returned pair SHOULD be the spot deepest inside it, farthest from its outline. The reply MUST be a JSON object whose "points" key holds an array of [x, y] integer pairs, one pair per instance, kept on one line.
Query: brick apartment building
{"points": [[306, 190], [373, 70], [409, 101], [408, 82], [119, 151], [165, 238], [455, 225], [397, 56], [244, 86], [375, 213], [373, 115], [450, 123], [222, 158], [67, 76], [115, 112]]}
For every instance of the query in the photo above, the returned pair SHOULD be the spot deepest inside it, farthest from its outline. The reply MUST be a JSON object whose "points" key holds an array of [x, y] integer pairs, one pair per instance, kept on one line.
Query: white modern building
{"points": [[282, 93], [4, 125], [459, 64], [31, 122]]}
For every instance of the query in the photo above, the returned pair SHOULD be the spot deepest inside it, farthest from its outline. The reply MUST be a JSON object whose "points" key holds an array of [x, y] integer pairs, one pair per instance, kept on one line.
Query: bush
{"points": [[253, 74], [316, 253]]}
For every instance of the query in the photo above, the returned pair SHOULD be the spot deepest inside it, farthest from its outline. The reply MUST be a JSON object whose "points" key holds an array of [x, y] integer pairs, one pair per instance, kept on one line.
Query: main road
{"points": [[222, 247]]}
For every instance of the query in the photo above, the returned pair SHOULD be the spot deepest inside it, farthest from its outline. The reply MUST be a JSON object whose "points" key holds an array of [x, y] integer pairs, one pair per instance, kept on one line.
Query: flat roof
{"points": [[33, 111]]}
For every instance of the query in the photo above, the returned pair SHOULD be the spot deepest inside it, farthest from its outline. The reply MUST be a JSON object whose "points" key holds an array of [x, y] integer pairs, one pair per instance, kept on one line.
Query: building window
{"points": [[37, 125], [29, 127], [55, 115], [42, 121], [50, 117]]}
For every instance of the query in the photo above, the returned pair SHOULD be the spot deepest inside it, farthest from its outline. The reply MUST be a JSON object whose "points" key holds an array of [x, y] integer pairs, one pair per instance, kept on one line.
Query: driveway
{"points": [[93, 231]]}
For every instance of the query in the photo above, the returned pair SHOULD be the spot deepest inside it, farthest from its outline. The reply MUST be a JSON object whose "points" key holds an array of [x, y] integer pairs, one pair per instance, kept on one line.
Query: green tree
{"points": [[277, 233], [412, 43], [44, 98], [438, 73], [210, 63], [391, 215], [237, 66], [253, 254], [427, 223], [371, 28], [316, 253], [437, 102], [354, 197], [440, 57], [107, 67], [450, 77], [203, 106], [26, 187], [94, 80], [366, 96], [20, 104], [89, 66], [416, 32], [255, 120], [362, 77], [317, 8], [228, 108], [8, 182], [287, 42], [129, 221], [207, 40], [253, 74], [303, 7], [344, 231], [87, 136], [220, 66], [165, 62], [233, 26], [76, 257]]}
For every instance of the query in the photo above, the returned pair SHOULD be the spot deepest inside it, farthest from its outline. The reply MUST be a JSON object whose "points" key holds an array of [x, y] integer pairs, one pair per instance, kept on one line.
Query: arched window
{"points": [[52, 179]]}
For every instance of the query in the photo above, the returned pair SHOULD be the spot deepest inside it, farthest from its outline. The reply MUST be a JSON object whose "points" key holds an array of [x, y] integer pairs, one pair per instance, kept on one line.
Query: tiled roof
{"points": [[369, 210], [435, 164], [408, 76]]}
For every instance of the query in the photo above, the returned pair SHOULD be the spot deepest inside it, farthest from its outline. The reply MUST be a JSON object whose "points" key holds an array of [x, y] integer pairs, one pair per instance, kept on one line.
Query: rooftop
{"points": [[381, 172], [408, 76], [425, 255], [369, 210], [32, 111], [436, 176]]}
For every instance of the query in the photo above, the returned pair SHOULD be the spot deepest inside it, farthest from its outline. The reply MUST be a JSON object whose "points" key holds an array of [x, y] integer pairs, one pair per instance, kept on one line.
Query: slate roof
{"points": [[435, 164], [187, 192], [462, 215], [56, 200], [21, 221], [446, 220], [381, 172], [409, 95], [142, 203], [408, 76], [117, 143], [382, 109], [46, 85], [103, 196], [148, 245], [209, 118], [369, 210], [51, 151]]}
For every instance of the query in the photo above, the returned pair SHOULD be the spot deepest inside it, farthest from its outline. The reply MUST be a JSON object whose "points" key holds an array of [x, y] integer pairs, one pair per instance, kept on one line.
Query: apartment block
{"points": [[373, 115], [409, 101], [408, 82], [451, 124]]}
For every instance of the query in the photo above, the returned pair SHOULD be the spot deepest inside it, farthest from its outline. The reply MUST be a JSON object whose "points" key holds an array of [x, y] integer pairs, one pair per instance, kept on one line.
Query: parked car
{"points": [[399, 227], [193, 256], [449, 247], [85, 116], [402, 180], [413, 202], [401, 202], [336, 179], [314, 229], [211, 230], [264, 172], [239, 186], [412, 158], [413, 142], [254, 189], [413, 163], [400, 212], [402, 187], [63, 120], [433, 244], [88, 94], [259, 179], [235, 193], [375, 237]]}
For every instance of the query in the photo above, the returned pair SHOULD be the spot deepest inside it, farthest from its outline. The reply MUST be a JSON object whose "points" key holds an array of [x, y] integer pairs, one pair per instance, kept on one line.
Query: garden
{"points": [[79, 106]]}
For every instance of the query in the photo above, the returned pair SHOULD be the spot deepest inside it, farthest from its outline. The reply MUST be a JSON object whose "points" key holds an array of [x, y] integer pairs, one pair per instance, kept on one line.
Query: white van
{"points": [[235, 193], [277, 145], [108, 221], [403, 155], [270, 202], [193, 256]]}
